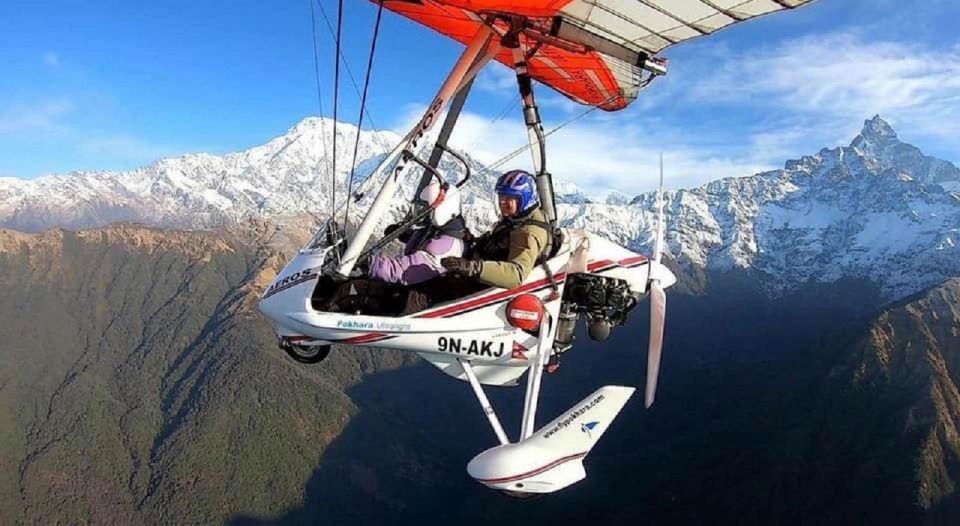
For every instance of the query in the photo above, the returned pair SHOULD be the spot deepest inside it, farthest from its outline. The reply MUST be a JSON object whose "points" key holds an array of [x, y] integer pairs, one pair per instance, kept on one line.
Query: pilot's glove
{"points": [[466, 267]]}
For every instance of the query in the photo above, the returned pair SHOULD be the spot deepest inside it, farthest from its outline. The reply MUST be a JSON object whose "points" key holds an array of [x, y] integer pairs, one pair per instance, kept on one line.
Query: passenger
{"points": [[439, 237], [383, 287], [521, 239]]}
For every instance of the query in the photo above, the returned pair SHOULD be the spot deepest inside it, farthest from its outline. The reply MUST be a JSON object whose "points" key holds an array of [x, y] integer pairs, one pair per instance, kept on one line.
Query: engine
{"points": [[601, 301]]}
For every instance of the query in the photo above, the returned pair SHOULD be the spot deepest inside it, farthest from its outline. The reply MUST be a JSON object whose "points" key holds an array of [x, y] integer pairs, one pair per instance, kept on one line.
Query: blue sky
{"points": [[117, 84]]}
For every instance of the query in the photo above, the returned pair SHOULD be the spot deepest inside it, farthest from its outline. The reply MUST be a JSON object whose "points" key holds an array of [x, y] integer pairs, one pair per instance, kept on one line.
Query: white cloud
{"points": [[841, 79], [781, 102], [51, 59], [52, 121], [497, 78], [601, 154], [46, 115]]}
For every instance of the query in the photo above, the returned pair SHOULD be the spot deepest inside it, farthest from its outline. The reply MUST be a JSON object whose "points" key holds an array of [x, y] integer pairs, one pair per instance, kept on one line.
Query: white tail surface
{"points": [[551, 459]]}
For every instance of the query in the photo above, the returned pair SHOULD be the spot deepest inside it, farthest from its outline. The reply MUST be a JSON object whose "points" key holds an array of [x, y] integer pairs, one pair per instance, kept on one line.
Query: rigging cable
{"points": [[512, 155], [336, 94], [511, 104], [353, 80], [363, 104], [316, 72]]}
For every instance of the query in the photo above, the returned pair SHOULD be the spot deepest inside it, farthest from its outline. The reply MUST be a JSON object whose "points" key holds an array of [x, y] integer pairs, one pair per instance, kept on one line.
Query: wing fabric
{"points": [[616, 35]]}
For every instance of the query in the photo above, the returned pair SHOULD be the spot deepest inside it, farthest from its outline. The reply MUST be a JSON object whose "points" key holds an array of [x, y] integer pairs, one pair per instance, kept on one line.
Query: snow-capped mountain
{"points": [[288, 175], [876, 209], [569, 193]]}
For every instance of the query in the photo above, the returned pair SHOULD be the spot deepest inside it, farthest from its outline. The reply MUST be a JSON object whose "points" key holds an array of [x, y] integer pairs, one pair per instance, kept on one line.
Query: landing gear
{"points": [[305, 353]]}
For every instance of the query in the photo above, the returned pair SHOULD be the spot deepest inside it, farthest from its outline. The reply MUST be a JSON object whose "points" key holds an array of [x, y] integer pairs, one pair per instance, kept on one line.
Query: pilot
{"points": [[521, 239], [440, 237]]}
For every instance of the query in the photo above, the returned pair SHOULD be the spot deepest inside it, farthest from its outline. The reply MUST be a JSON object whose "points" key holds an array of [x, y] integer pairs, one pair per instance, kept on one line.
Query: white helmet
{"points": [[448, 208]]}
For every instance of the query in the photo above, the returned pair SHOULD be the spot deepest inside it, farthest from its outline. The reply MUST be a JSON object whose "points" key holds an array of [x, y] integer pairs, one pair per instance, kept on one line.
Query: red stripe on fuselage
{"points": [[451, 310], [596, 266], [490, 299], [364, 338]]}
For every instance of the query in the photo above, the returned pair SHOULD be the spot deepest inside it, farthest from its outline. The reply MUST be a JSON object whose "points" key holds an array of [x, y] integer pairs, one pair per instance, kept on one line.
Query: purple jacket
{"points": [[416, 266]]}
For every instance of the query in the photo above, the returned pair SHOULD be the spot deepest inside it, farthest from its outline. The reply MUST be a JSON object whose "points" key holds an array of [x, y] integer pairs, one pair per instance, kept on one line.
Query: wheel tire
{"points": [[307, 353]]}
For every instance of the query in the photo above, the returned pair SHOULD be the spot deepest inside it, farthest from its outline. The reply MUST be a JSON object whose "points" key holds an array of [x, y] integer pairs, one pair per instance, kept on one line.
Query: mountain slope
{"points": [[138, 384], [903, 379], [758, 421]]}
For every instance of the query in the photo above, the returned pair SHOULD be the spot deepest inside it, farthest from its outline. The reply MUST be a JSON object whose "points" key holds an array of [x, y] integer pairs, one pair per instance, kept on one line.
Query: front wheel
{"points": [[306, 353]]}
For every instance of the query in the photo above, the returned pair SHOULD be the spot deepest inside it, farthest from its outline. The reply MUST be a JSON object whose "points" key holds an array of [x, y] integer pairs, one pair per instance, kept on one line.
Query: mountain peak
{"points": [[877, 130], [312, 125]]}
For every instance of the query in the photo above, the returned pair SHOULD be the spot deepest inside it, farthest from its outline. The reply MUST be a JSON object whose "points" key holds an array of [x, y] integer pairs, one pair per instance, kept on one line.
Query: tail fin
{"points": [[551, 458], [580, 427]]}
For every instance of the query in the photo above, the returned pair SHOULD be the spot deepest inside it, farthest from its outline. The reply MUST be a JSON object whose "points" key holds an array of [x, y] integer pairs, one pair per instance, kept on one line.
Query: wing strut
{"points": [[484, 402], [482, 48], [456, 106], [534, 376]]}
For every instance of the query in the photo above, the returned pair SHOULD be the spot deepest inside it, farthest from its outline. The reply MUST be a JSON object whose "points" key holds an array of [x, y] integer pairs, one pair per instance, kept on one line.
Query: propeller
{"points": [[658, 301]]}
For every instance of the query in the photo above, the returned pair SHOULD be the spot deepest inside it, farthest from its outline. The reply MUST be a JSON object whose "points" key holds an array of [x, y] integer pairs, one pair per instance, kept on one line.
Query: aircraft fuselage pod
{"points": [[474, 328]]}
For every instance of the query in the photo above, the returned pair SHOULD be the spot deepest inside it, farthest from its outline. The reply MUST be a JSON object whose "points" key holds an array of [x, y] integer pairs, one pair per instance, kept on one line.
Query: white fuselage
{"points": [[473, 328]]}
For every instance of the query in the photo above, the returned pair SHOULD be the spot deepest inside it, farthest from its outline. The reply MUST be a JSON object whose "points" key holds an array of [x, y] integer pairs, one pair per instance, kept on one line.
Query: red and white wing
{"points": [[616, 36]]}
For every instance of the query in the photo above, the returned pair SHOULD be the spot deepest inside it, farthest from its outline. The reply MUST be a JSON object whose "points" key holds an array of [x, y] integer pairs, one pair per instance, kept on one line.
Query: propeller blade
{"points": [[658, 240], [658, 312]]}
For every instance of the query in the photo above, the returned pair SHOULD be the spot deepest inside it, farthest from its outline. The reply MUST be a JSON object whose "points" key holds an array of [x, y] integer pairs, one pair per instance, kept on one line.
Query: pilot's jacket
{"points": [[511, 250]]}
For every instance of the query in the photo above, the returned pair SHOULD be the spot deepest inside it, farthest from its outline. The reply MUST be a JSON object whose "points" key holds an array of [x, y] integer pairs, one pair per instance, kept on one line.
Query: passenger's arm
{"points": [[406, 270], [420, 266]]}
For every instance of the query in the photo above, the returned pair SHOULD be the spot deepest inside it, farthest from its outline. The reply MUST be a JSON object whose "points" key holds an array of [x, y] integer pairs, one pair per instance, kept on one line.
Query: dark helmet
{"points": [[520, 185]]}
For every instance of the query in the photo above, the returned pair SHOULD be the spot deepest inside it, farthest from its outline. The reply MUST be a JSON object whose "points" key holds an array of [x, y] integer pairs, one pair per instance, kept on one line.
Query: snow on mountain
{"points": [[289, 174], [877, 209], [614, 197], [569, 193]]}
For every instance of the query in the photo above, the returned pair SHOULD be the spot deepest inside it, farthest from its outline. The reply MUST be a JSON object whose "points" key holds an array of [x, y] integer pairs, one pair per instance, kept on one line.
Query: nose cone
{"points": [[269, 307]]}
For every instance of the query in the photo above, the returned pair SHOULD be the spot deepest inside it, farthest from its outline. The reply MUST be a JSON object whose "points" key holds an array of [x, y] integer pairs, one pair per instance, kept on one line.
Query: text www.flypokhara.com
{"points": [[573, 416]]}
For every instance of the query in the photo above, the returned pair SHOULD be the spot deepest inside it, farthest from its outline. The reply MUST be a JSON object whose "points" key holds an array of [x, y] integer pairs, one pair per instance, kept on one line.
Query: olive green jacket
{"points": [[512, 250]]}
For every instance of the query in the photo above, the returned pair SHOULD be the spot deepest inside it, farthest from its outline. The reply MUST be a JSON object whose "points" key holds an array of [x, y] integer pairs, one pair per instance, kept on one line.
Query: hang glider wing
{"points": [[590, 50]]}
